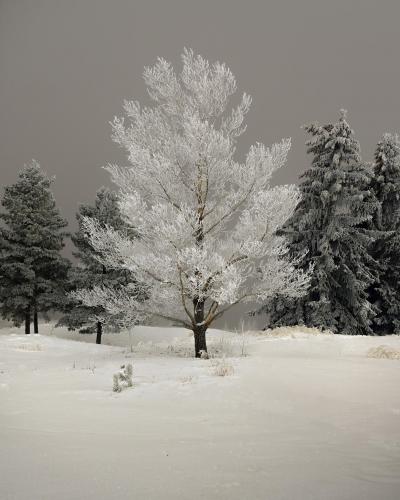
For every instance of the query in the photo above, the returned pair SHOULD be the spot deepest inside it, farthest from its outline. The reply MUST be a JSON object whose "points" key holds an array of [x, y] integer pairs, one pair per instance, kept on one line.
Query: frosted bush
{"points": [[116, 386], [383, 352], [123, 378]]}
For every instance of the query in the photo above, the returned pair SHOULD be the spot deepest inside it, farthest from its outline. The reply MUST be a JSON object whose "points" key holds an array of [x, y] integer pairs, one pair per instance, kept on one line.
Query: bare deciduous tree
{"points": [[206, 222]]}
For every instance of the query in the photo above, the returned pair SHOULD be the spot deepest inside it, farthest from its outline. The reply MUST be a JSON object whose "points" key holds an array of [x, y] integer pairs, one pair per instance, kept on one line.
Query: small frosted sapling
{"points": [[123, 378]]}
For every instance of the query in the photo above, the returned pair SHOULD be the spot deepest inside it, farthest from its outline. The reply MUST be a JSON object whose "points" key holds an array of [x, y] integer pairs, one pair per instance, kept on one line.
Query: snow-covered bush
{"points": [[116, 385], [123, 378]]}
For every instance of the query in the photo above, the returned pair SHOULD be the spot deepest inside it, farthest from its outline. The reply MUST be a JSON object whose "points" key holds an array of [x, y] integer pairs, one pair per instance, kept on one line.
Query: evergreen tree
{"points": [[90, 272], [330, 231], [385, 293], [32, 271]]}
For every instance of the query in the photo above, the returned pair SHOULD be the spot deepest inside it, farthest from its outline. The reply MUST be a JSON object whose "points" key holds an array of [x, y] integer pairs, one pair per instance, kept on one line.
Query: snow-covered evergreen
{"points": [[207, 223], [330, 231], [385, 294], [91, 273], [33, 273]]}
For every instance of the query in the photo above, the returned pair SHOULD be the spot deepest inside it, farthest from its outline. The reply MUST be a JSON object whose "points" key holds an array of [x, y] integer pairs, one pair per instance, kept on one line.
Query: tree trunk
{"points": [[35, 321], [99, 325], [99, 332], [200, 344], [200, 329], [28, 321], [35, 311]]}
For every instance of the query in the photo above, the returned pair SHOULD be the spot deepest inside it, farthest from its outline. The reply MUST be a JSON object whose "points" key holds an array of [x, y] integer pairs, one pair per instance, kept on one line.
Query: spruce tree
{"points": [[385, 293], [32, 271], [90, 272], [330, 231]]}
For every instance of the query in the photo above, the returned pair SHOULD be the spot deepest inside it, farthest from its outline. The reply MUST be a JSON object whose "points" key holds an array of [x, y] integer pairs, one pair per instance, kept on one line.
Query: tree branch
{"points": [[171, 318], [232, 210]]}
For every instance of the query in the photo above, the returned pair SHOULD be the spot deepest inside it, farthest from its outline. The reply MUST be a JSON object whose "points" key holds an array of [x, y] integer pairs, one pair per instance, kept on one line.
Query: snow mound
{"points": [[383, 352]]}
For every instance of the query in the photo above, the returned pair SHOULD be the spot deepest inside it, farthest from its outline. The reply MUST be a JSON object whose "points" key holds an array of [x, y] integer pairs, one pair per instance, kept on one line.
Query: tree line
{"points": [[35, 278], [344, 232], [347, 229]]}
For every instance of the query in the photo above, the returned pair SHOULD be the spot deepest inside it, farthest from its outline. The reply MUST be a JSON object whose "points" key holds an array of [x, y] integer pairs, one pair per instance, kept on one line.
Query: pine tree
{"points": [[330, 231], [385, 293], [90, 272], [33, 272]]}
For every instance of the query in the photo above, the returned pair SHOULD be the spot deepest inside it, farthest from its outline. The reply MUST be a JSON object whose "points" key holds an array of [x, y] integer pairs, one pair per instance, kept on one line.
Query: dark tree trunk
{"points": [[28, 321], [200, 344], [99, 332], [99, 325], [35, 310], [35, 321], [199, 331], [199, 328]]}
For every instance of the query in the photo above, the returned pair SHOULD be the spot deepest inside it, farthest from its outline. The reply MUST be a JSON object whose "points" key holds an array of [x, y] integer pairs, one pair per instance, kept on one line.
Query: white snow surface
{"points": [[304, 416]]}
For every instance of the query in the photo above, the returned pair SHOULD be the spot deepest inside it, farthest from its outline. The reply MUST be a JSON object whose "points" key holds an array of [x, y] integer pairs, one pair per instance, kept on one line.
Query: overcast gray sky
{"points": [[66, 66]]}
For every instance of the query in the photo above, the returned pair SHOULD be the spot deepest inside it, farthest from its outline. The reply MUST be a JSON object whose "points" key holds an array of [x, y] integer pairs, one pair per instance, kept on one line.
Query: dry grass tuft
{"points": [[30, 347], [294, 331], [383, 352], [222, 368]]}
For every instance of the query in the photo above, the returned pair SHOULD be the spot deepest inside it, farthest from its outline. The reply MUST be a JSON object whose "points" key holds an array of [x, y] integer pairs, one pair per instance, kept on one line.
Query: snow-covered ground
{"points": [[303, 417]]}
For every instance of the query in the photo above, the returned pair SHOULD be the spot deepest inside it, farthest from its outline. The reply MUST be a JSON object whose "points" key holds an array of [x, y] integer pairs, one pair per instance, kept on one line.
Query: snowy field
{"points": [[303, 416]]}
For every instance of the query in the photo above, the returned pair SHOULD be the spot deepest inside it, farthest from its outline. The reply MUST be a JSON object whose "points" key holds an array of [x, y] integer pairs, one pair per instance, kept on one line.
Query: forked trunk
{"points": [[99, 332], [28, 321]]}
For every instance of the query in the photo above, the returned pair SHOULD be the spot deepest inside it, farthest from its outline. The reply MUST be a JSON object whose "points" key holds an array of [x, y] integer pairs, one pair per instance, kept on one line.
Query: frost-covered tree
{"points": [[385, 293], [32, 271], [207, 222], [330, 230], [90, 272]]}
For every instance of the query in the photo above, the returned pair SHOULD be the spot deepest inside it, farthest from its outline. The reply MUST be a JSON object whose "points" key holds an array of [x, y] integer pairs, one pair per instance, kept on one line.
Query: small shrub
{"points": [[116, 386], [383, 352], [123, 378]]}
